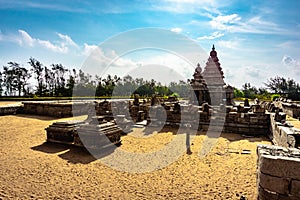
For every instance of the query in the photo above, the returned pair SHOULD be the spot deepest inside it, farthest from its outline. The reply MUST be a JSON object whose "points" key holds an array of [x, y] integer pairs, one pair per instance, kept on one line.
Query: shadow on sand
{"points": [[39, 117], [73, 154]]}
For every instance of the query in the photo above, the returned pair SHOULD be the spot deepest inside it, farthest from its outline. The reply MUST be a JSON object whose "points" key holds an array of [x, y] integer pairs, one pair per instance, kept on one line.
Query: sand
{"points": [[9, 103], [33, 169], [293, 121]]}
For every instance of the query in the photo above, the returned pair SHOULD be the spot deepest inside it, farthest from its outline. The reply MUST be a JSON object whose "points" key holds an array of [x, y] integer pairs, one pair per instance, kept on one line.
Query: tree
{"points": [[238, 93], [21, 78], [59, 76], [70, 84], [37, 68], [8, 80], [287, 87], [277, 84], [249, 91], [15, 79], [181, 88], [1, 84]]}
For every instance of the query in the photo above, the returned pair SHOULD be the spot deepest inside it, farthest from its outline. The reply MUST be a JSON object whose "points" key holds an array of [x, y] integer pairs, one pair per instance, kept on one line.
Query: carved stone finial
{"points": [[198, 69]]}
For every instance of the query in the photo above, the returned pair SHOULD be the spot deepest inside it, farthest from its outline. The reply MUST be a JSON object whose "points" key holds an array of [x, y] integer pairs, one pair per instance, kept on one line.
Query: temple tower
{"points": [[200, 91], [214, 78]]}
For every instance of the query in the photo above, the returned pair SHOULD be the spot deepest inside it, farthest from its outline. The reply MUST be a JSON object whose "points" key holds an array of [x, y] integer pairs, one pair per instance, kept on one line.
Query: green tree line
{"points": [[274, 87], [57, 80]]}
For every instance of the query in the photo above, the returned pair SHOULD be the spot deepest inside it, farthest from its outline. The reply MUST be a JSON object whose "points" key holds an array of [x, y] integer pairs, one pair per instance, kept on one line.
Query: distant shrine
{"points": [[209, 86]]}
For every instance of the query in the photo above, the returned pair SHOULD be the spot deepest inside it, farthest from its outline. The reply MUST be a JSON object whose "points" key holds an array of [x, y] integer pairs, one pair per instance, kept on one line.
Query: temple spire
{"points": [[213, 48]]}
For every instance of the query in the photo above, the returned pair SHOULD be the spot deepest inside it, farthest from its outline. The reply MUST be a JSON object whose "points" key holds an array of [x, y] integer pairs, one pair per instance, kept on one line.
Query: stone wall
{"points": [[10, 110], [282, 133], [56, 108], [241, 120], [248, 121], [291, 109], [278, 174]]}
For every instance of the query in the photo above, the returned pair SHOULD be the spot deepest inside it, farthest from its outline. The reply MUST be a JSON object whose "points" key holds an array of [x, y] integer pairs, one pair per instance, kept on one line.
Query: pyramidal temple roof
{"points": [[213, 73]]}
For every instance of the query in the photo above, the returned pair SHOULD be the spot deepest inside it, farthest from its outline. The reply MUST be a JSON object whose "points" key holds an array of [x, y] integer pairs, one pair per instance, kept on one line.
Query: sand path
{"points": [[30, 168]]}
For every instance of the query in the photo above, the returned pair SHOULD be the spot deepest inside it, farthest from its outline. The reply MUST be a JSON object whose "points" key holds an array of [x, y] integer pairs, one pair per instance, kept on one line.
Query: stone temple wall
{"points": [[240, 120], [248, 121], [283, 134], [291, 109], [235, 122], [278, 174]]}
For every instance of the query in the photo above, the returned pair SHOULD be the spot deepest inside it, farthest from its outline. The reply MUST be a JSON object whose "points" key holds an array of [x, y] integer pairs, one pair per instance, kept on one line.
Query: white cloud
{"points": [[224, 22], [234, 23], [87, 49], [186, 6], [105, 61], [214, 35], [258, 21], [292, 65], [67, 40], [26, 39], [230, 44], [288, 61], [56, 48], [253, 72], [176, 30], [62, 46]]}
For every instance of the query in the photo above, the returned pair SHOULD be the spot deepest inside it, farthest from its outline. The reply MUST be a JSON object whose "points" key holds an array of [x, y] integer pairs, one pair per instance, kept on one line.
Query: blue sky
{"points": [[255, 40]]}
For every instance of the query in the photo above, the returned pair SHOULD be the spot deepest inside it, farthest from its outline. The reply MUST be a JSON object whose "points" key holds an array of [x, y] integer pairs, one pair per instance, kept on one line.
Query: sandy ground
{"points": [[33, 169], [7, 103], [293, 121]]}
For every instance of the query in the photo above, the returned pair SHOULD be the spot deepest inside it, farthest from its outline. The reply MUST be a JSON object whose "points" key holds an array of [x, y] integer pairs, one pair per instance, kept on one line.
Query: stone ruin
{"points": [[209, 86], [10, 109], [281, 132], [278, 166], [91, 133], [278, 174]]}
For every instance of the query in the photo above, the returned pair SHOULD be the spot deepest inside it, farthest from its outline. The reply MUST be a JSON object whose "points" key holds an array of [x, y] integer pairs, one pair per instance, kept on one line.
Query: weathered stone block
{"points": [[266, 195], [280, 166], [253, 120], [295, 188], [275, 184]]}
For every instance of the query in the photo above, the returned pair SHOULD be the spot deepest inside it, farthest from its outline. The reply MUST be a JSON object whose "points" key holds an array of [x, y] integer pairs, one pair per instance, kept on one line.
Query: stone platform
{"points": [[94, 134]]}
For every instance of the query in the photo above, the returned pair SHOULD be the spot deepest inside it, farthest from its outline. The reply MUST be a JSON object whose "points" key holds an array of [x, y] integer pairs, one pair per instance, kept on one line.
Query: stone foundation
{"points": [[56, 108], [278, 174], [97, 133], [10, 110], [291, 109]]}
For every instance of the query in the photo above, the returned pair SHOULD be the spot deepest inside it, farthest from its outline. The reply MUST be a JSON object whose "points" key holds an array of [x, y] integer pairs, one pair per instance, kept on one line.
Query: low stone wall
{"points": [[10, 109], [57, 108], [278, 174], [249, 123], [283, 135], [243, 121], [291, 109], [240, 120]]}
